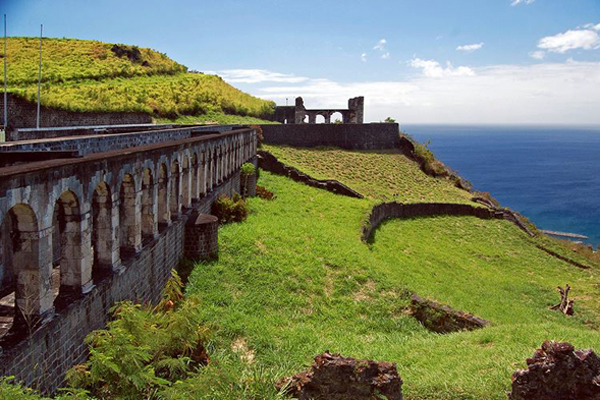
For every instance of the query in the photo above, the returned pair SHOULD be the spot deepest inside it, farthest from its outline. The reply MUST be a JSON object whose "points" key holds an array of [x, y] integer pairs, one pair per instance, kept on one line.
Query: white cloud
{"points": [[386, 55], [257, 76], [517, 2], [537, 55], [543, 93], [433, 69], [470, 47], [380, 45], [586, 38], [363, 57]]}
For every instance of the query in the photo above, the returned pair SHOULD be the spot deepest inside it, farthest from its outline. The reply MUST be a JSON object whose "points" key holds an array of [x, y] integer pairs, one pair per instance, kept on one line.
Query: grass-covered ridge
{"points": [[381, 175], [295, 280], [82, 75]]}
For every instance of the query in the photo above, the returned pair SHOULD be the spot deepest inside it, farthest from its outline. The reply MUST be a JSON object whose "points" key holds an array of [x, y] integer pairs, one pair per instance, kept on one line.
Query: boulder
{"points": [[333, 377], [558, 372]]}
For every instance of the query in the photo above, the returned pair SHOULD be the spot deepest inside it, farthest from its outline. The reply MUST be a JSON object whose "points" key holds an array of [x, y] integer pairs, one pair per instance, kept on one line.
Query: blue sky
{"points": [[436, 61]]}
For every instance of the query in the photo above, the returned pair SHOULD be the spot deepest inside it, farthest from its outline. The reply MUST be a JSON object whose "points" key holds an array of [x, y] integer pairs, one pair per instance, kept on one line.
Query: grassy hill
{"points": [[81, 75], [295, 279]]}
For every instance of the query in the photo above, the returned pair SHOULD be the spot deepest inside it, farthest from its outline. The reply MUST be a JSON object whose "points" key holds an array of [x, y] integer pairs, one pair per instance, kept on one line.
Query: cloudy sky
{"points": [[419, 61]]}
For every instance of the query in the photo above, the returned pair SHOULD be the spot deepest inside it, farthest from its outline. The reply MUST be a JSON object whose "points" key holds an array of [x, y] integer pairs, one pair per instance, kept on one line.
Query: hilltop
{"points": [[84, 75]]}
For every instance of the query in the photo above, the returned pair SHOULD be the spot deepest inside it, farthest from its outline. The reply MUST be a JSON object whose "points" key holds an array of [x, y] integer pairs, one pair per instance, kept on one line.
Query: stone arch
{"points": [[164, 213], [105, 245], [72, 241], [306, 119], [186, 182], [320, 119], [28, 256], [149, 220], [174, 195], [337, 116], [130, 227]]}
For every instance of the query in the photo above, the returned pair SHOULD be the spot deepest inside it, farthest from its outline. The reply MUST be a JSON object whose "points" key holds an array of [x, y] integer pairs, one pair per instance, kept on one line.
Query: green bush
{"points": [[248, 169], [228, 209]]}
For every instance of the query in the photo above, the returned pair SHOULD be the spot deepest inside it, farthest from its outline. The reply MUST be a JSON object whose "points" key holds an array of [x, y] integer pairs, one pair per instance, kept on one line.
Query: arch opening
{"points": [[337, 118], [320, 119]]}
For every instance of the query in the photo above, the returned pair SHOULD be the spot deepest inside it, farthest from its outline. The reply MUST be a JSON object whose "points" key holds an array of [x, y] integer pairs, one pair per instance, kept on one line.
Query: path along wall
{"points": [[374, 136], [23, 114], [129, 206]]}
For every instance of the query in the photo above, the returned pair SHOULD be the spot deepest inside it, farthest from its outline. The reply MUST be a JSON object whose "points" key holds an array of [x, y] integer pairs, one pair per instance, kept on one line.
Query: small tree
{"points": [[389, 120]]}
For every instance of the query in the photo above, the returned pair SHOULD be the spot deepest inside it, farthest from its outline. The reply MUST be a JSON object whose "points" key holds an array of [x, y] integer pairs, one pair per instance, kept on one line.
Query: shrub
{"points": [[228, 209], [264, 193], [248, 169], [144, 349]]}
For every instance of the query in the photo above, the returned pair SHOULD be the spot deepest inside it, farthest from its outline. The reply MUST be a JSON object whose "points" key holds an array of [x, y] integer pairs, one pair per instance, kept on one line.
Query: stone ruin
{"points": [[558, 372], [298, 114], [333, 377]]}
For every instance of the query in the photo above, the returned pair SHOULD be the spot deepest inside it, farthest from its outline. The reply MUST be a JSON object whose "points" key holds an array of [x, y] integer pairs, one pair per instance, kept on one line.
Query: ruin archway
{"points": [[320, 119], [29, 294], [71, 247], [337, 118]]}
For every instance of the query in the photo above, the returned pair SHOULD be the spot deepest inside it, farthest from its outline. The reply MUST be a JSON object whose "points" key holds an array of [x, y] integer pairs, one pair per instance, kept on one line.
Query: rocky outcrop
{"points": [[333, 377], [270, 163], [558, 372], [443, 319]]}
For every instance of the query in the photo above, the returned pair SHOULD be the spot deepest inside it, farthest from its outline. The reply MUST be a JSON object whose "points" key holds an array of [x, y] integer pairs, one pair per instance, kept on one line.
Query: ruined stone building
{"points": [[298, 114]]}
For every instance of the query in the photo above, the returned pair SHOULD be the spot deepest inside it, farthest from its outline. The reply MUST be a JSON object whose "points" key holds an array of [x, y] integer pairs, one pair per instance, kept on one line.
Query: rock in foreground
{"points": [[558, 372], [334, 377]]}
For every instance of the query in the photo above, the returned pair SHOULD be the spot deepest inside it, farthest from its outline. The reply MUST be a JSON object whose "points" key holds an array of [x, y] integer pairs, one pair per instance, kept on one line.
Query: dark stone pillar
{"points": [[201, 237]]}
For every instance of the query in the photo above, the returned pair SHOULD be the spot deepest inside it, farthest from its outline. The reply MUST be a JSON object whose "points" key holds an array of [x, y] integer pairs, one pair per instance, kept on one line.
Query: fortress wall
{"points": [[384, 211], [23, 114], [374, 136], [42, 360], [99, 143]]}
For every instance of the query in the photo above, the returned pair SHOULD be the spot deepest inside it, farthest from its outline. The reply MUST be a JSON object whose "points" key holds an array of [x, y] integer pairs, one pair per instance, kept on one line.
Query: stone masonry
{"points": [[114, 224]]}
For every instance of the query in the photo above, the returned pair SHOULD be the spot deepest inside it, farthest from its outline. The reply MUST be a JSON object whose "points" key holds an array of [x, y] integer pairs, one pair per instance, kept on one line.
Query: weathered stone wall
{"points": [[129, 206], [48, 133], [373, 136], [23, 114], [385, 211], [108, 142]]}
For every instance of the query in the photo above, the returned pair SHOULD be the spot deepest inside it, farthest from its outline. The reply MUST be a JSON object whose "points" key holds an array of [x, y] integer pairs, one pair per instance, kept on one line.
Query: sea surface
{"points": [[549, 174]]}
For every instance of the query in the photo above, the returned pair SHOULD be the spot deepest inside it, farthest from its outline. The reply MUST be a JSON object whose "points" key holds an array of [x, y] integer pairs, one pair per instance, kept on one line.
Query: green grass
{"points": [[378, 175], [295, 280], [73, 60], [87, 76], [215, 118]]}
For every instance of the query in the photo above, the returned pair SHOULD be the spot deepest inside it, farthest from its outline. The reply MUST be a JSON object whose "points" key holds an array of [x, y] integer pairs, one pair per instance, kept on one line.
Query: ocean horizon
{"points": [[549, 173]]}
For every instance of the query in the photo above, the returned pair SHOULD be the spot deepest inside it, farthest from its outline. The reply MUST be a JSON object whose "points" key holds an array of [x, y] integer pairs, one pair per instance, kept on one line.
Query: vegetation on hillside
{"points": [[295, 279], [66, 60], [80, 75], [380, 175]]}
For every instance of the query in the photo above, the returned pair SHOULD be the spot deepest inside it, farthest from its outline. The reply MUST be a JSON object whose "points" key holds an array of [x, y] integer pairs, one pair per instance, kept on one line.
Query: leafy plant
{"points": [[230, 209], [248, 169], [144, 349]]}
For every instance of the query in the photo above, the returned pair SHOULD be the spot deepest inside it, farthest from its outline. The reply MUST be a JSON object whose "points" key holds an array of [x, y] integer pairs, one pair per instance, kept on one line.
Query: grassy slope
{"points": [[295, 280], [84, 75], [215, 117], [378, 175]]}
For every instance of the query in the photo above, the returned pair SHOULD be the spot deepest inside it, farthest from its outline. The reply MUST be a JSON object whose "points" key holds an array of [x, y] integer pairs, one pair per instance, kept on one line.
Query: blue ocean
{"points": [[549, 174]]}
